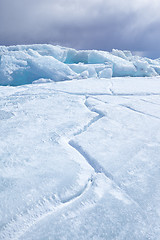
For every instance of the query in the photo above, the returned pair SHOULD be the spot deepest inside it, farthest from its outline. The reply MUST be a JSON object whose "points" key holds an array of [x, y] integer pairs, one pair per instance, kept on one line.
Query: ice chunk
{"points": [[127, 53], [118, 53], [73, 56], [24, 67], [94, 70], [144, 69], [84, 74], [79, 68], [121, 67], [57, 52], [106, 73], [156, 68], [49, 67], [123, 54]]}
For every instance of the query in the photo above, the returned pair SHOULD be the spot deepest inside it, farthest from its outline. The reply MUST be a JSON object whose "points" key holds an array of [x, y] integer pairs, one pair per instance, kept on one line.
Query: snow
{"points": [[79, 159]]}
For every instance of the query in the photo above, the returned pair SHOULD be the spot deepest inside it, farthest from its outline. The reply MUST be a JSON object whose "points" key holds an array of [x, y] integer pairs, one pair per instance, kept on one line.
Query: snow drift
{"points": [[21, 65]]}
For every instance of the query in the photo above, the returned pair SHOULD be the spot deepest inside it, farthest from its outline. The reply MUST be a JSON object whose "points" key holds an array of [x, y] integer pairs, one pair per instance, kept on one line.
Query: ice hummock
{"points": [[25, 64]]}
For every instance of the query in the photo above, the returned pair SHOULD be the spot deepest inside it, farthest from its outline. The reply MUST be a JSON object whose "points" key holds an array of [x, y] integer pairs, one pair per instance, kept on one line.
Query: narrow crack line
{"points": [[83, 93], [100, 100], [138, 111], [150, 102], [135, 94], [89, 106], [110, 88], [93, 120], [90, 160], [81, 192], [107, 94], [24, 221]]}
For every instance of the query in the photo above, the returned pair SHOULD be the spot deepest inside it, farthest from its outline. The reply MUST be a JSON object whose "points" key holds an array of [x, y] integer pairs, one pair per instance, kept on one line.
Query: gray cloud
{"points": [[83, 24]]}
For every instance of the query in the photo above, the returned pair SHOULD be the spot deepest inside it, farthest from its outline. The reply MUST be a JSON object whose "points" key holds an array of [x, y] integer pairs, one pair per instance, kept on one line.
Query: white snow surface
{"points": [[79, 159]]}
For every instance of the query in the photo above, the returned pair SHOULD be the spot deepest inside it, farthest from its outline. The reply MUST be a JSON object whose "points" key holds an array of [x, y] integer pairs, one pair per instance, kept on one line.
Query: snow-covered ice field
{"points": [[79, 158]]}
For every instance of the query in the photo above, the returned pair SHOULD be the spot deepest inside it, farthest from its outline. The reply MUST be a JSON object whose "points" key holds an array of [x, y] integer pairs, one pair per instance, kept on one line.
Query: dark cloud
{"points": [[83, 24]]}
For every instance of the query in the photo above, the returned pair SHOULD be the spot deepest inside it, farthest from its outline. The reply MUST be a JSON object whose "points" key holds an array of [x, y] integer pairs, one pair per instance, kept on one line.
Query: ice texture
{"points": [[25, 64], [79, 159]]}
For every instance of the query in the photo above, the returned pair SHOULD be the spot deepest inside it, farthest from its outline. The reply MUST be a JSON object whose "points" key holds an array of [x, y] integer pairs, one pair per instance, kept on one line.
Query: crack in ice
{"points": [[47, 206], [93, 162], [138, 111]]}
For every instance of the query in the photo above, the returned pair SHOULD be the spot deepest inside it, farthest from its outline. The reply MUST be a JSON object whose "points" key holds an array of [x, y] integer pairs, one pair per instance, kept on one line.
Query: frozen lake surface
{"points": [[80, 159]]}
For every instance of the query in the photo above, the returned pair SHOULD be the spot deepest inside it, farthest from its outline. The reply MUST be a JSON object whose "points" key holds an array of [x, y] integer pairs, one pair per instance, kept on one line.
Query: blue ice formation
{"points": [[25, 64]]}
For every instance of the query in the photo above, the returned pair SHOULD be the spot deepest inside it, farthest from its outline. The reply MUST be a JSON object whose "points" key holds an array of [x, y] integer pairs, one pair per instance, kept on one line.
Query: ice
{"points": [[121, 67], [106, 73], [94, 219], [22, 67], [73, 56], [49, 67], [79, 149], [81, 68], [128, 149], [123, 54], [93, 70], [25, 64], [144, 69], [42, 80], [34, 156], [83, 87], [120, 53], [140, 86]]}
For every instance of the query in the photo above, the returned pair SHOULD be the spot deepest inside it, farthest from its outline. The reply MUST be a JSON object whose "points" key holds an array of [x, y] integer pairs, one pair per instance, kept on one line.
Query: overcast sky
{"points": [[83, 24]]}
